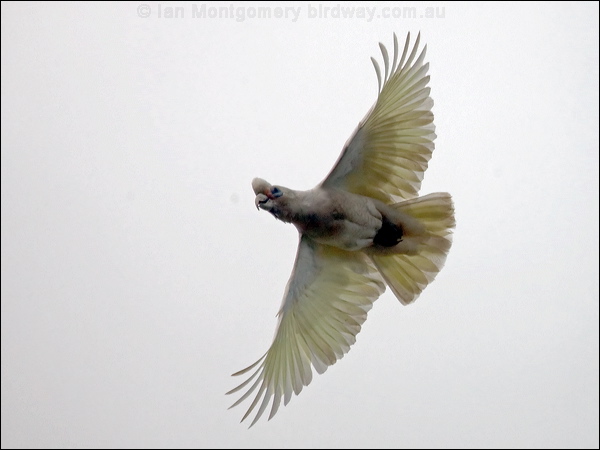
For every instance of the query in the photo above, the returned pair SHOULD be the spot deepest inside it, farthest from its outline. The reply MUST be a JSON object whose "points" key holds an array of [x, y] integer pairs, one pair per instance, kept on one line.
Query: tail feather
{"points": [[408, 274]]}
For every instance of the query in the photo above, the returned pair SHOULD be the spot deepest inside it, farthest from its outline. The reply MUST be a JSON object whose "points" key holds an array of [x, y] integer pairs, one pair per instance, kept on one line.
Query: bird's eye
{"points": [[276, 192]]}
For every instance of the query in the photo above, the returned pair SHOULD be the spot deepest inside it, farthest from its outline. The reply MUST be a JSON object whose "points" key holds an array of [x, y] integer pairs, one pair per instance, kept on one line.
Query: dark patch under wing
{"points": [[389, 234]]}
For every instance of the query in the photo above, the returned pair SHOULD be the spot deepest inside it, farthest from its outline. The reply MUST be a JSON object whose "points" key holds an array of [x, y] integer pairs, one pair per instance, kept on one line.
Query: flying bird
{"points": [[363, 228]]}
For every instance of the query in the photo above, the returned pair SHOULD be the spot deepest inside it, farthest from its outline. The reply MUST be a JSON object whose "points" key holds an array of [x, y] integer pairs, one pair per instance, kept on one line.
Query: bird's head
{"points": [[274, 199]]}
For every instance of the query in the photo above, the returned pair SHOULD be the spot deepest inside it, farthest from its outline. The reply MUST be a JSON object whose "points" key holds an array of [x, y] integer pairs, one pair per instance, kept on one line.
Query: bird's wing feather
{"points": [[388, 153], [326, 301]]}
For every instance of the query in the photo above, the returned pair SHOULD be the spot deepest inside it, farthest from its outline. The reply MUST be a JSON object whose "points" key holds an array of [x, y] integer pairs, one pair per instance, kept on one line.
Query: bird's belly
{"points": [[343, 232]]}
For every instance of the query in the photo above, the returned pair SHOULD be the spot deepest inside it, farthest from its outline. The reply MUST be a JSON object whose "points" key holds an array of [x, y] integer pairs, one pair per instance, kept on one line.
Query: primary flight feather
{"points": [[362, 228]]}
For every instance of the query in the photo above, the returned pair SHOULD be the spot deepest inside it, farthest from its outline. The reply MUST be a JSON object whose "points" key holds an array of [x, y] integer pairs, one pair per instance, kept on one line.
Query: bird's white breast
{"points": [[338, 218]]}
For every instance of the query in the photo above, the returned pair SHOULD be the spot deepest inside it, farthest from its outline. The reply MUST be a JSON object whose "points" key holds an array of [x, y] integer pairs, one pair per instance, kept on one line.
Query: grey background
{"points": [[137, 274]]}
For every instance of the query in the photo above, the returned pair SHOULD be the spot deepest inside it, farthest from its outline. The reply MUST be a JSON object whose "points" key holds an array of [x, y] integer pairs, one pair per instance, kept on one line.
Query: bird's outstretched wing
{"points": [[389, 151], [326, 301]]}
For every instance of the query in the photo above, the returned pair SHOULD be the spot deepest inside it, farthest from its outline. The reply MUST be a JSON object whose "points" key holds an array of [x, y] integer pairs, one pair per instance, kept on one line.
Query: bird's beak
{"points": [[260, 199], [262, 189], [260, 186]]}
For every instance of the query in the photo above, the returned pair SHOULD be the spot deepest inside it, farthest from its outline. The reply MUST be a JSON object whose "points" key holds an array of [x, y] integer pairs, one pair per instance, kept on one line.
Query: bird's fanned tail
{"points": [[408, 274]]}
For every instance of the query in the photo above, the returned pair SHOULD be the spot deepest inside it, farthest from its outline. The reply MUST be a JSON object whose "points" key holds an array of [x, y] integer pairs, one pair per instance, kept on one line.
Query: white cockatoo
{"points": [[362, 228]]}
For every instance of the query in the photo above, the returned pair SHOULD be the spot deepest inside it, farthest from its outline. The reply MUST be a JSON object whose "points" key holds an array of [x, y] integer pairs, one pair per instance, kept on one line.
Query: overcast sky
{"points": [[137, 274]]}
